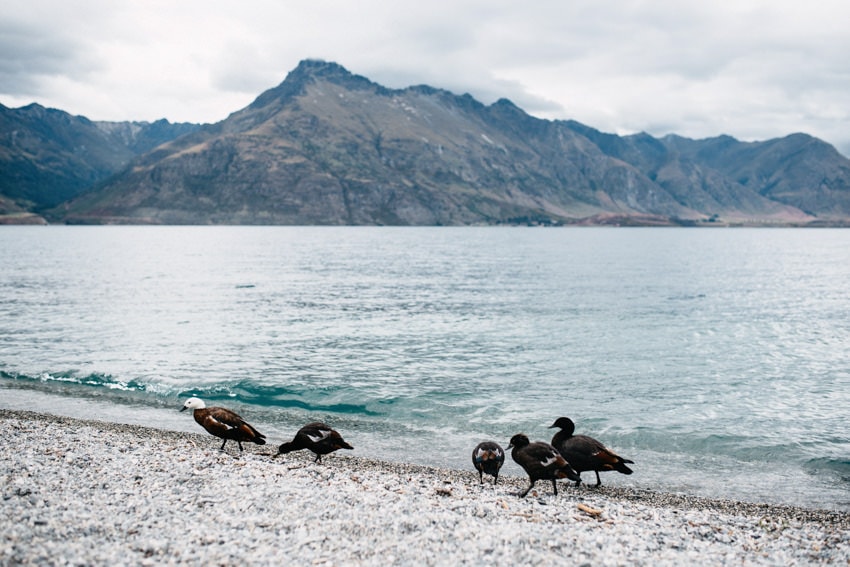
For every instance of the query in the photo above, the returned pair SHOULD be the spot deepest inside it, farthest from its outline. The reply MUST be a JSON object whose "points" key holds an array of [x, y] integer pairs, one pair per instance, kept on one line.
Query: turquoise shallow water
{"points": [[717, 359]]}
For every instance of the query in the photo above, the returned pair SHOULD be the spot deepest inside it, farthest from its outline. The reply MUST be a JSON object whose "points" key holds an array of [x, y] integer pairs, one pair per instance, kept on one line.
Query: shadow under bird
{"points": [[541, 461], [586, 453], [316, 437], [223, 423], [488, 457]]}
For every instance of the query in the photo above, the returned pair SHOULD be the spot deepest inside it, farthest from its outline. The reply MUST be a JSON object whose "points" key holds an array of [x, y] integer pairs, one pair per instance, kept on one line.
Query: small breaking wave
{"points": [[71, 377], [280, 397], [330, 400]]}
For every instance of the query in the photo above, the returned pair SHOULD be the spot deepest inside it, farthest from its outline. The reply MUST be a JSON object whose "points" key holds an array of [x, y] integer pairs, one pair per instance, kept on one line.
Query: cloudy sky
{"points": [[754, 69]]}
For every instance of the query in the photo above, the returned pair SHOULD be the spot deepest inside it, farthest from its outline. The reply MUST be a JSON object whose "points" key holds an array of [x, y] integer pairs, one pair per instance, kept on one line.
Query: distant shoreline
{"points": [[94, 492], [612, 221]]}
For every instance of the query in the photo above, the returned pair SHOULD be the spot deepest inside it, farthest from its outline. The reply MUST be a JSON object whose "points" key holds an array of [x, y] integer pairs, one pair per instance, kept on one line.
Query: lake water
{"points": [[717, 359]]}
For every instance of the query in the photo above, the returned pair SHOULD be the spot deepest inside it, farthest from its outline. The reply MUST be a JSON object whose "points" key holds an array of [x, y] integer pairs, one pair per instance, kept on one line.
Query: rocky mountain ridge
{"points": [[330, 147], [48, 156]]}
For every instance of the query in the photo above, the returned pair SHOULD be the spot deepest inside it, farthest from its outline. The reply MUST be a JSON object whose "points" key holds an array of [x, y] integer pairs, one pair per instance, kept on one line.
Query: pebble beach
{"points": [[82, 492]]}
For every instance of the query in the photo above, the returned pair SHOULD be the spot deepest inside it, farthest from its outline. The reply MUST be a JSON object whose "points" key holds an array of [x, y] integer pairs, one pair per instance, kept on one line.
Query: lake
{"points": [[717, 359]]}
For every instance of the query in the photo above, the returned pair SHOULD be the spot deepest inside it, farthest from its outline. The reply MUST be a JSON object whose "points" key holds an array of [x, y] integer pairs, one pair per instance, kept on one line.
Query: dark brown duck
{"points": [[586, 453], [223, 423], [541, 462], [488, 457], [316, 437]]}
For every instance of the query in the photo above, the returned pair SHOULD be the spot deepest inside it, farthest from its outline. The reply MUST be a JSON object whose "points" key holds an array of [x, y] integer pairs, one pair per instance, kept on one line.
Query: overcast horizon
{"points": [[754, 70]]}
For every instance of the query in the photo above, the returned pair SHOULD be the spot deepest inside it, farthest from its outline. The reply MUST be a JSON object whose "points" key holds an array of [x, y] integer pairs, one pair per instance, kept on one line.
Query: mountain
{"points": [[48, 156], [330, 147], [797, 170]]}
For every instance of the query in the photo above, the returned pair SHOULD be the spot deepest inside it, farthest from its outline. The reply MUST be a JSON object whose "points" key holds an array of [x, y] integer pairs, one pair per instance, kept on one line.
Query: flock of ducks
{"points": [[228, 425], [566, 457]]}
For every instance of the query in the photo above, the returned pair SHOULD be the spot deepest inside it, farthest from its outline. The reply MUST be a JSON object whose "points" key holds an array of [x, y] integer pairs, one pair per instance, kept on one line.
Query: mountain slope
{"points": [[48, 156], [798, 170], [330, 147]]}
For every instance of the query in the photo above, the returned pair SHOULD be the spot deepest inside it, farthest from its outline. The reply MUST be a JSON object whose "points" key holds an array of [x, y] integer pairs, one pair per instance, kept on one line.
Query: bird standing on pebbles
{"points": [[318, 438], [223, 423], [586, 453], [488, 457], [541, 461]]}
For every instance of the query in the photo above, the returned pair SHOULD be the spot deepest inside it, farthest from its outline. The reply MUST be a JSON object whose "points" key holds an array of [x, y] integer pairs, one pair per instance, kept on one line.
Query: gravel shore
{"points": [[94, 493]]}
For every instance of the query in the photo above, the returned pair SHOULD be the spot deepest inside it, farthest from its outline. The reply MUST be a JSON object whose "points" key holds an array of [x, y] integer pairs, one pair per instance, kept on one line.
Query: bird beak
{"points": [[183, 409]]}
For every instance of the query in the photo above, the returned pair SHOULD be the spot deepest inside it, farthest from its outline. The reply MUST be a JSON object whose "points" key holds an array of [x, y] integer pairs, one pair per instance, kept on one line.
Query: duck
{"points": [[586, 453], [223, 423], [488, 457], [541, 461], [318, 438]]}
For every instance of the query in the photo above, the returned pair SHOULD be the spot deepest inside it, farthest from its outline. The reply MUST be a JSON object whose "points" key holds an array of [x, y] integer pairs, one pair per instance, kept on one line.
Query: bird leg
{"points": [[554, 487], [530, 486], [318, 458], [598, 480], [240, 445], [223, 444]]}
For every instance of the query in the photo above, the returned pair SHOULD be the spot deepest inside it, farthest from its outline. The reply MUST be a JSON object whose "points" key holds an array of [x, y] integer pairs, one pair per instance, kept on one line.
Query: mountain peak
{"points": [[330, 147], [309, 71], [319, 68]]}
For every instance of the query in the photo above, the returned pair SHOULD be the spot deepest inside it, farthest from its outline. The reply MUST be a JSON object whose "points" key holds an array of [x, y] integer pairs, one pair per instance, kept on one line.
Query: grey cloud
{"points": [[30, 54], [244, 68], [748, 69]]}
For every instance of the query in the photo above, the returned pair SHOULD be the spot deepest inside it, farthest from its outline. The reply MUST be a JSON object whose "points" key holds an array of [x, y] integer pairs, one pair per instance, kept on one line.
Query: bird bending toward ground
{"points": [[488, 457], [586, 453], [318, 438], [223, 423], [541, 461]]}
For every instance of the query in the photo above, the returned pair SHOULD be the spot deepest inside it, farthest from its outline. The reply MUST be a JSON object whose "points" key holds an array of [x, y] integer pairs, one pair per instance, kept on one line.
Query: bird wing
{"points": [[214, 424], [606, 456], [225, 418], [592, 452], [546, 455], [317, 434]]}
